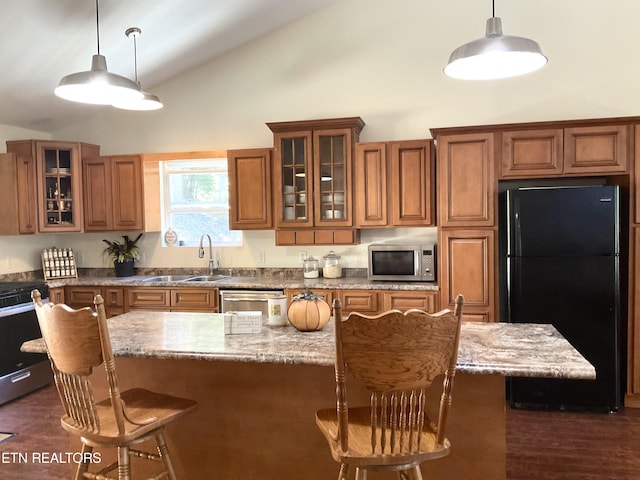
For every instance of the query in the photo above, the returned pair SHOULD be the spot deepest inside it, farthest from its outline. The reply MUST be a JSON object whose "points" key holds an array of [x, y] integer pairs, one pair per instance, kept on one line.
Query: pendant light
{"points": [[97, 86], [148, 101], [495, 55]]}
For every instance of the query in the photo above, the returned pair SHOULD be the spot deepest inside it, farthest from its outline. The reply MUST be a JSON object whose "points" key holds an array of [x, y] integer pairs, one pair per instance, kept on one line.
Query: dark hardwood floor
{"points": [[540, 445]]}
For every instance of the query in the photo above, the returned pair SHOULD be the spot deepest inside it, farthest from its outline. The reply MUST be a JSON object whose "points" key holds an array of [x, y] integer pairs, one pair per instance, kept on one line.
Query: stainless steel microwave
{"points": [[408, 262]]}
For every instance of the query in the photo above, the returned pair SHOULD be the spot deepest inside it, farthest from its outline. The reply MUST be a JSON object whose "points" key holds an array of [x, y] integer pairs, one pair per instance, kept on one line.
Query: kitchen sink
{"points": [[168, 278], [206, 278]]}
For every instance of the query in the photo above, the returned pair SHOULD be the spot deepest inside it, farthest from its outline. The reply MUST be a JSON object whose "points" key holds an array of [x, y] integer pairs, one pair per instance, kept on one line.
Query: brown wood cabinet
{"points": [[172, 299], [466, 181], [373, 302], [317, 237], [326, 295], [58, 188], [363, 301], [633, 340], [113, 193], [250, 195], [18, 200], [552, 152], [468, 267], [83, 296], [394, 184], [56, 295], [371, 193], [408, 299], [532, 153], [412, 188], [313, 174]]}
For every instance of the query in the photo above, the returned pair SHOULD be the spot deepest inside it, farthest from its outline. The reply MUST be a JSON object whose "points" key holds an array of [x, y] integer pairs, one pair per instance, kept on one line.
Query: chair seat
{"points": [[153, 410], [360, 454]]}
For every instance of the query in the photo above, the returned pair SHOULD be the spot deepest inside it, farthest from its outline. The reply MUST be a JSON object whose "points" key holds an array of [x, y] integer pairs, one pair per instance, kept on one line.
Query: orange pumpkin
{"points": [[308, 312]]}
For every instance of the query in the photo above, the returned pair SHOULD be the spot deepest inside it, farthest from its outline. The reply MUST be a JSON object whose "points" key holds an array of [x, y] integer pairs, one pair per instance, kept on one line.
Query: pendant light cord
{"points": [[135, 57], [98, 26], [493, 8]]}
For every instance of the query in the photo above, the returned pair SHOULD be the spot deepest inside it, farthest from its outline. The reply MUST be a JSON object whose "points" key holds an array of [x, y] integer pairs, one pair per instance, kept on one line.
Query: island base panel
{"points": [[256, 420]]}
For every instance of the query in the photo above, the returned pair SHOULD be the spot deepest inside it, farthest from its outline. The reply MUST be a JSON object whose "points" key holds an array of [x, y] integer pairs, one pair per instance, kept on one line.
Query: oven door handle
{"points": [[22, 376], [17, 309]]}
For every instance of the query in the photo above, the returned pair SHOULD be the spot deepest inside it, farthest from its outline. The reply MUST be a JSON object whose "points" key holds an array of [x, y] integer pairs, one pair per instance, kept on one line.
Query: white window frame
{"points": [[199, 165]]}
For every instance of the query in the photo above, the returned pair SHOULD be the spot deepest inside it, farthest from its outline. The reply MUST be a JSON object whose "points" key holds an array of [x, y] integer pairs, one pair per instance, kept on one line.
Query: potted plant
{"points": [[123, 254]]}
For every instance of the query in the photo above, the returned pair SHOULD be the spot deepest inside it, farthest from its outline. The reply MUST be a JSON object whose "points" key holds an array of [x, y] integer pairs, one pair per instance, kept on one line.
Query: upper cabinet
{"points": [[466, 182], [313, 174], [577, 150], [394, 184], [412, 190], [18, 199], [250, 197], [313, 165], [58, 192], [113, 193]]}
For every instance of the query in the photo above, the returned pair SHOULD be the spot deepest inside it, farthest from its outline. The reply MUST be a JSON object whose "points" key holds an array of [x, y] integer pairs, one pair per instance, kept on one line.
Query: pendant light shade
{"points": [[148, 101], [97, 86], [495, 56]]}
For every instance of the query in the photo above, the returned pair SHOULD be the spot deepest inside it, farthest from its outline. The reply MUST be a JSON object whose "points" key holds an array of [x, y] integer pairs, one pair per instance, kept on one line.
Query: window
{"points": [[195, 200]]}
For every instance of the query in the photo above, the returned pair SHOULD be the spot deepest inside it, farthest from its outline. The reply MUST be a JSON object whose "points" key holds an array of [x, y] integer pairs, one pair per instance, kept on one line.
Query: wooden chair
{"points": [[77, 341], [396, 356]]}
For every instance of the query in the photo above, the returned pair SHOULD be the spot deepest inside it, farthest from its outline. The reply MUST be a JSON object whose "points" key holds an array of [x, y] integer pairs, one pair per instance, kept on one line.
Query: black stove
{"points": [[16, 293], [20, 372]]}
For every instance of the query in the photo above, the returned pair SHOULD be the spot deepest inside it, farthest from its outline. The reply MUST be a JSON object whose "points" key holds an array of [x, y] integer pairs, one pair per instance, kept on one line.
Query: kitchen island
{"points": [[258, 393]]}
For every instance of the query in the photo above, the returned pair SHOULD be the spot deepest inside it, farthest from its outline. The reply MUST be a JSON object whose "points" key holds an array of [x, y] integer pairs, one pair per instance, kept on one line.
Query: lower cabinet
{"points": [[372, 302], [363, 301], [79, 297], [468, 260], [123, 299], [173, 299], [405, 300], [56, 295]]}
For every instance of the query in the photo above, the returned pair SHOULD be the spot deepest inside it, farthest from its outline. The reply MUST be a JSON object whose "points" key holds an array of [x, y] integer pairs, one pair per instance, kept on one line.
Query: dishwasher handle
{"points": [[245, 299]]}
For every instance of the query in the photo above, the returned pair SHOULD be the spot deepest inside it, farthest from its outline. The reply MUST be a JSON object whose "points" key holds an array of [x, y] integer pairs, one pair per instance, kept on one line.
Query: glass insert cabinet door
{"points": [[296, 178], [60, 196], [332, 151]]}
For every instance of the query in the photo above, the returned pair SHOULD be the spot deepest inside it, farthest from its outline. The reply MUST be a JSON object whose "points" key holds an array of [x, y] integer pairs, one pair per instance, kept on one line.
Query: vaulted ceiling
{"points": [[44, 40]]}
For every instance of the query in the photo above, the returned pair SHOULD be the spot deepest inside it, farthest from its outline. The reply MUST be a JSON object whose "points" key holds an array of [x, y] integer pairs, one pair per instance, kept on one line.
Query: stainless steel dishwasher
{"points": [[247, 300]]}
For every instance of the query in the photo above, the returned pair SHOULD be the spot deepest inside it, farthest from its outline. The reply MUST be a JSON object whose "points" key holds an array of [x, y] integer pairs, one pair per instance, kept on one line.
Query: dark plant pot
{"points": [[124, 269]]}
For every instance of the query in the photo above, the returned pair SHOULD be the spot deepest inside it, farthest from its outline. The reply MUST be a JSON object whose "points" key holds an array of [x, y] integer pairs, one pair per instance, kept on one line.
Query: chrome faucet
{"points": [[213, 264]]}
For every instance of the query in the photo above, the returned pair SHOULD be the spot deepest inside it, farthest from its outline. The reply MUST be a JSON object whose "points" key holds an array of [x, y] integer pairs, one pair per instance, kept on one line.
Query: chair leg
{"points": [[344, 471], [83, 466], [163, 450], [124, 465], [361, 473], [412, 474]]}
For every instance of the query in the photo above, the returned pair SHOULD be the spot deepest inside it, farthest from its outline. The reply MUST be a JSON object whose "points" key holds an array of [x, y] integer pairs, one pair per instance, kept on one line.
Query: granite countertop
{"points": [[485, 348], [249, 282]]}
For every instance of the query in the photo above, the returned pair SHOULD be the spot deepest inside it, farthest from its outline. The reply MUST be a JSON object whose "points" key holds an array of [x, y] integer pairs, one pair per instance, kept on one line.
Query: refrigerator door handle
{"points": [[514, 243]]}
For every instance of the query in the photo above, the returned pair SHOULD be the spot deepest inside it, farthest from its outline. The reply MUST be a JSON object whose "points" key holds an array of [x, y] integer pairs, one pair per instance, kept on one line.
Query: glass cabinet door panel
{"points": [[60, 169], [333, 159], [295, 178]]}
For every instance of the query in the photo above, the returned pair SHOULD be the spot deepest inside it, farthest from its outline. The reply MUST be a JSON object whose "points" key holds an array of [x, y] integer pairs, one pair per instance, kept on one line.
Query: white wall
{"points": [[383, 61]]}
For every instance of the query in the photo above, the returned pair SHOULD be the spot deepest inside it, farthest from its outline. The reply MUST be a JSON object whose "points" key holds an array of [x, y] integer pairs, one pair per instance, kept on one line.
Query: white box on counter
{"points": [[242, 322]]}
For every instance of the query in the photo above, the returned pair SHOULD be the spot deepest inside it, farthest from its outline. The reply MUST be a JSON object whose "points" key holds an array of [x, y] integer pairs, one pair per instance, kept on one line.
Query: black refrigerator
{"points": [[560, 264]]}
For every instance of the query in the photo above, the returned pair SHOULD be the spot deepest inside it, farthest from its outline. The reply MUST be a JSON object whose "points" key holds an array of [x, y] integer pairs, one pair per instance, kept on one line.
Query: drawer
{"points": [[149, 298], [426, 301], [194, 299]]}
